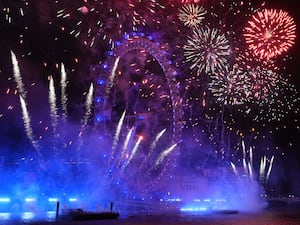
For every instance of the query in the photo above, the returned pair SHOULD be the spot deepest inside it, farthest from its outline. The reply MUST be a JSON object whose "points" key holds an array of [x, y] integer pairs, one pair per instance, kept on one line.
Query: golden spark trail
{"points": [[88, 105], [162, 156], [117, 135], [234, 168], [125, 145], [64, 97], [134, 150], [113, 74], [270, 168], [27, 124], [154, 143], [17, 76], [53, 108]]}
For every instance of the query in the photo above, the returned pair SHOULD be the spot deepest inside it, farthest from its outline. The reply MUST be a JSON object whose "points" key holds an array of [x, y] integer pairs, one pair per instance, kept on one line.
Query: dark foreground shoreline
{"points": [[266, 217]]}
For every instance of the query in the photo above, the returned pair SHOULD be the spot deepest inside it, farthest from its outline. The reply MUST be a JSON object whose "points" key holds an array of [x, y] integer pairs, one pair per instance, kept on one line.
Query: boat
{"points": [[225, 211], [80, 215]]}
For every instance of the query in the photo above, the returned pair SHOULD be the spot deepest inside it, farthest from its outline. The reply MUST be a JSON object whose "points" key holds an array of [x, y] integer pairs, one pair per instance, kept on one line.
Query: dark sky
{"points": [[45, 49]]}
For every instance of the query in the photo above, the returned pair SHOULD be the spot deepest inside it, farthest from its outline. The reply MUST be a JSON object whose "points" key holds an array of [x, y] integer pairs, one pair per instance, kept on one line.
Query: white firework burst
{"points": [[207, 49], [276, 99], [264, 82], [191, 15], [230, 86]]}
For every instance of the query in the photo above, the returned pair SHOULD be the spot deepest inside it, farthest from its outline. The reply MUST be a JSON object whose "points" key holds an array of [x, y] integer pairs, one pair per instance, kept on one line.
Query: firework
{"points": [[249, 62], [93, 19], [13, 12], [52, 102], [191, 15], [113, 74], [27, 124], [154, 143], [234, 168], [87, 115], [271, 95], [117, 134], [80, 14], [134, 150], [270, 168], [151, 100], [231, 87], [281, 99], [136, 43], [262, 167], [245, 166], [164, 154], [17, 76], [26, 118], [64, 97], [264, 81], [270, 33], [264, 170], [88, 105], [125, 145], [207, 50]]}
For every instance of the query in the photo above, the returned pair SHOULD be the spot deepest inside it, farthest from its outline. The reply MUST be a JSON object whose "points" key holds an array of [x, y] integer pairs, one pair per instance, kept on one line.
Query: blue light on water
{"points": [[72, 199], [29, 199], [53, 199], [4, 199], [4, 216], [51, 215], [193, 209], [27, 216], [174, 200]]}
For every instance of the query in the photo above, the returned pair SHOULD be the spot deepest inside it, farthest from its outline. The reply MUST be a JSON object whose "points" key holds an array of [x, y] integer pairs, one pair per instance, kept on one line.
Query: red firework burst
{"points": [[270, 33]]}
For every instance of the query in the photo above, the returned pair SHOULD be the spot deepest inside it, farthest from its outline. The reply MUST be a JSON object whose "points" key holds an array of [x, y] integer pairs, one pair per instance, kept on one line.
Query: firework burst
{"points": [[271, 96], [14, 11], [207, 49], [77, 19], [248, 61], [231, 86], [283, 100], [264, 81], [105, 19], [191, 15], [270, 33]]}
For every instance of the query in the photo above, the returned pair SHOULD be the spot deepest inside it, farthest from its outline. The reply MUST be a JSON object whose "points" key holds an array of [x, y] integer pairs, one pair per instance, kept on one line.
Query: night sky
{"points": [[41, 42]]}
